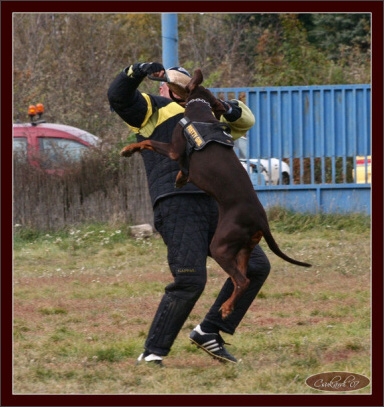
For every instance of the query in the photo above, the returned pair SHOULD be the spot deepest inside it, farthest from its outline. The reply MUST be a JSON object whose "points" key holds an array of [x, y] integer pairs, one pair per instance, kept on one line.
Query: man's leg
{"points": [[258, 271], [183, 223]]}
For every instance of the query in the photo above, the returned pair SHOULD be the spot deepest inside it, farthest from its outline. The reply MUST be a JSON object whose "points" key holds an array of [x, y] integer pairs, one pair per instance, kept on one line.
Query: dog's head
{"points": [[196, 91]]}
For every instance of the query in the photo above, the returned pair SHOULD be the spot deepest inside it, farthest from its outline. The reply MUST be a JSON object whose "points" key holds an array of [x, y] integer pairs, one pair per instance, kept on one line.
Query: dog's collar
{"points": [[198, 100]]}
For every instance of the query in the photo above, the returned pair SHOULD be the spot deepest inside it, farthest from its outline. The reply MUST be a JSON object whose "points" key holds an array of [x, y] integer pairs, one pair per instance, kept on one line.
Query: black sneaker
{"points": [[213, 344], [150, 359]]}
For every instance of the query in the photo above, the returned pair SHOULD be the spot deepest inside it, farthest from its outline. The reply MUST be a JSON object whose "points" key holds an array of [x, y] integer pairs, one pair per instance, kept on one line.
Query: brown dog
{"points": [[215, 169]]}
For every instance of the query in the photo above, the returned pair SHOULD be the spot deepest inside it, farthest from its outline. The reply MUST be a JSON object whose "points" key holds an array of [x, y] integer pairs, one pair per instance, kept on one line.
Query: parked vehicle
{"points": [[273, 170], [269, 170], [48, 145]]}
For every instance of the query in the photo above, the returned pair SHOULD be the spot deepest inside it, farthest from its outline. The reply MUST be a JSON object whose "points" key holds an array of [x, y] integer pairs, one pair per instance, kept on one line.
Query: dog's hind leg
{"points": [[228, 261], [242, 263], [242, 259], [181, 179], [235, 263]]}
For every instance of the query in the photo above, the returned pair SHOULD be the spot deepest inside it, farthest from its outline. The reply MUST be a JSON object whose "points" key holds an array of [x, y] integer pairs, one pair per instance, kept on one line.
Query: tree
{"points": [[331, 32], [67, 61]]}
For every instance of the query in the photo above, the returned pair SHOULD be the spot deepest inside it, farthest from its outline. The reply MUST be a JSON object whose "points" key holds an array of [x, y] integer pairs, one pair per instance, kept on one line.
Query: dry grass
{"points": [[84, 299]]}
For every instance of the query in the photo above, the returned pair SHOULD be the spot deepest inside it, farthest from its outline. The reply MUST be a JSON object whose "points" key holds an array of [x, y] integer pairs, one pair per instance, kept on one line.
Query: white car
{"points": [[270, 171]]}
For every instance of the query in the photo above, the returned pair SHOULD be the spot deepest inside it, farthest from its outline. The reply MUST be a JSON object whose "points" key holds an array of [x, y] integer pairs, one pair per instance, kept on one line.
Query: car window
{"points": [[20, 144], [20, 147], [58, 150]]}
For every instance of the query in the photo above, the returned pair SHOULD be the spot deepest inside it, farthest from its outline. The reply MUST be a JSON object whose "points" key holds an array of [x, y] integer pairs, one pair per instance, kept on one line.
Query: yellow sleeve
{"points": [[155, 117], [240, 127]]}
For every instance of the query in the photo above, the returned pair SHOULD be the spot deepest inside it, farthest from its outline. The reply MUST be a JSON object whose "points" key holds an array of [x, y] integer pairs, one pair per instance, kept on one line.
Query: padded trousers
{"points": [[187, 223]]}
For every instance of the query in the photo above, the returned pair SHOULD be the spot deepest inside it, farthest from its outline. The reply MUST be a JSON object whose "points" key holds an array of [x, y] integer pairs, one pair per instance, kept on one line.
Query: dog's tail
{"points": [[276, 249]]}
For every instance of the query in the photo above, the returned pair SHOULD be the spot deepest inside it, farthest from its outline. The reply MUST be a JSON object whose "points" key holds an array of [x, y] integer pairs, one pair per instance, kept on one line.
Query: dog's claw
{"points": [[225, 312], [180, 184], [181, 180], [126, 153]]}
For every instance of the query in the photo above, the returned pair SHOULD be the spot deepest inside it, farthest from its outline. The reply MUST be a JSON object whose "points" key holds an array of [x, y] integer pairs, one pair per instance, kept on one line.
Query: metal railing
{"points": [[322, 134]]}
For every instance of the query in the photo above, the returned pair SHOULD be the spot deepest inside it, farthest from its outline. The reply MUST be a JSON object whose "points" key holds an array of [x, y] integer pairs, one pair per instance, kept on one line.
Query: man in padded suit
{"points": [[186, 217]]}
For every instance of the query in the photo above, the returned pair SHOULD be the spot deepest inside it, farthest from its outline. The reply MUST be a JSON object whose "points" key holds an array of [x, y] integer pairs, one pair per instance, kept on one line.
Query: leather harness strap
{"points": [[199, 134]]}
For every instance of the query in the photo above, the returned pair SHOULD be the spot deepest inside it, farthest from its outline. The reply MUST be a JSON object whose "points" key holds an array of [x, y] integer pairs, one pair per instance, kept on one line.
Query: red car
{"points": [[48, 145]]}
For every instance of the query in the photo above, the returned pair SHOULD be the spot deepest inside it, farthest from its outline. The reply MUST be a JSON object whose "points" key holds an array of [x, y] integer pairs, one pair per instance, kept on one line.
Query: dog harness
{"points": [[199, 134]]}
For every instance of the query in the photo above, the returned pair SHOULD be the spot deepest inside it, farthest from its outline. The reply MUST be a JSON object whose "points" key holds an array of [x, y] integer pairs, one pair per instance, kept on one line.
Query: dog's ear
{"points": [[196, 80], [198, 76]]}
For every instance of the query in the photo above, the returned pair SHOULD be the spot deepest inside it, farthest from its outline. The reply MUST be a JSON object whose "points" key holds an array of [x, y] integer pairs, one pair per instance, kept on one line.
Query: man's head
{"points": [[178, 76], [180, 69]]}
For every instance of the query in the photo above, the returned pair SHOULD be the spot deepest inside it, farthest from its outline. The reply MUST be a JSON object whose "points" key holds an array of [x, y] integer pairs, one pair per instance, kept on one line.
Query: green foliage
{"points": [[331, 32], [67, 61], [288, 221], [52, 311], [281, 219], [26, 235], [114, 353], [287, 49], [289, 59], [73, 238]]}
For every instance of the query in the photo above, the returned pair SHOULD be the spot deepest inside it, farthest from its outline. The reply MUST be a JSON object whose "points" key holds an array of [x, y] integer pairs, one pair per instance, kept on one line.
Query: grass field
{"points": [[83, 300]]}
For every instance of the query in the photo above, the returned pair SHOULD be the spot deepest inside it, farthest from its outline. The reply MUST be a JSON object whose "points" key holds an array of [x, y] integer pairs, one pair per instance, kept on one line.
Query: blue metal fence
{"points": [[321, 133]]}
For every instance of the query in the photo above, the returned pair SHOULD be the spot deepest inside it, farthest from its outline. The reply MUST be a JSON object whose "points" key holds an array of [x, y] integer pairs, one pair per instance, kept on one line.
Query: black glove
{"points": [[140, 70], [233, 110]]}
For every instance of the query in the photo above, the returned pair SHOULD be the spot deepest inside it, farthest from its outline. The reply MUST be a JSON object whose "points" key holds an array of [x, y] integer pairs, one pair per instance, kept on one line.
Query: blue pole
{"points": [[170, 40]]}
